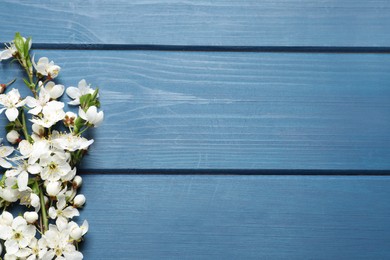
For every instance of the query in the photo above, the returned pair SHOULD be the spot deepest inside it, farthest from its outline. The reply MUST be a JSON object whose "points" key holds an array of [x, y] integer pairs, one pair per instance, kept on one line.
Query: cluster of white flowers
{"points": [[40, 165]]}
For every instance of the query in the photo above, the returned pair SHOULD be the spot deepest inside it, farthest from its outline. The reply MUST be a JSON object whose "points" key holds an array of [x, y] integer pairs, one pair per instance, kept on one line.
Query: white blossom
{"points": [[59, 245], [10, 50], [4, 152], [76, 231], [70, 142], [63, 212], [55, 90], [75, 93], [38, 104], [52, 113], [92, 116], [38, 249], [29, 198], [54, 166], [46, 68], [11, 102], [17, 236]]}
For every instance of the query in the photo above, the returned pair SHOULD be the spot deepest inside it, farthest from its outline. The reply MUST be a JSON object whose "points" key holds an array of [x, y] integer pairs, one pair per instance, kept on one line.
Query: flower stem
{"points": [[10, 83], [43, 210], [26, 135]]}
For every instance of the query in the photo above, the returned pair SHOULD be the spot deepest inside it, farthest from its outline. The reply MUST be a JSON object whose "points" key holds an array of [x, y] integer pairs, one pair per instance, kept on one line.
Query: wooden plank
{"points": [[236, 217], [201, 22], [177, 110]]}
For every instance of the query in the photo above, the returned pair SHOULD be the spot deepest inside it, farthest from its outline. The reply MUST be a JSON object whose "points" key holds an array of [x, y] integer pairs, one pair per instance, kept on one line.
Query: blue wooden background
{"points": [[234, 129]]}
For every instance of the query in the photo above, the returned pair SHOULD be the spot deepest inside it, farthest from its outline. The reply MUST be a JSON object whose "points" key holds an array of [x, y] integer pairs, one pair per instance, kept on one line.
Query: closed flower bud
{"points": [[2, 88], [79, 201], [77, 181], [13, 137], [6, 218], [46, 200], [39, 130], [76, 233], [34, 200], [30, 216], [53, 188]]}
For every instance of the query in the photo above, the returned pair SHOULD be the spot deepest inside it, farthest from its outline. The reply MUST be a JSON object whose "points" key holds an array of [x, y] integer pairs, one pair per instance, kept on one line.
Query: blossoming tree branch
{"points": [[40, 165]]}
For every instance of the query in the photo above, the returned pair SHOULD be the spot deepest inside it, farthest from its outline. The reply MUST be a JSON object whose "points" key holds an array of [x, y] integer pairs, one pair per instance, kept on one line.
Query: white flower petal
{"points": [[5, 164], [12, 113], [23, 181], [5, 232], [73, 92], [91, 113], [82, 114]]}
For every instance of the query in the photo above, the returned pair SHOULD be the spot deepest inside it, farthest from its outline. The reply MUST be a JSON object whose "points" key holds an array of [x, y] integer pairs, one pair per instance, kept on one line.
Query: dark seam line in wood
{"points": [[190, 48], [273, 172]]}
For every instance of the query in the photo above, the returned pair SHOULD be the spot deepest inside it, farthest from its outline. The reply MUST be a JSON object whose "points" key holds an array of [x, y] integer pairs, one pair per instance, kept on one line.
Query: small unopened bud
{"points": [[34, 200], [30, 216], [77, 181], [39, 130], [13, 137], [2, 88], [53, 188], [6, 218], [76, 233], [46, 200], [79, 201]]}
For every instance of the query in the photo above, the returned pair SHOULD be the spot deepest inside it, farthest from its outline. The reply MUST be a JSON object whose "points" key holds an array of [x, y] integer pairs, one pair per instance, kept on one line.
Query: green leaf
{"points": [[26, 82], [95, 93], [27, 47], [19, 44], [84, 101], [97, 103]]}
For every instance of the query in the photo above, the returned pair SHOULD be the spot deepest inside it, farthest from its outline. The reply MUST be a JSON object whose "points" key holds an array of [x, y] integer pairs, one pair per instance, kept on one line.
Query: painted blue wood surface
{"points": [[236, 217], [180, 110], [190, 111], [201, 22]]}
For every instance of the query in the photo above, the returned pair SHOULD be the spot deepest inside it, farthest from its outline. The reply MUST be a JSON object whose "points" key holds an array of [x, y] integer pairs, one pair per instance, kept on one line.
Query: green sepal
{"points": [[12, 126], [78, 124]]}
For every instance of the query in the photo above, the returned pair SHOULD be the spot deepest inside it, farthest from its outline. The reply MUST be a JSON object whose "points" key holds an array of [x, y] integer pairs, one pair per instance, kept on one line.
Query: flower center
{"points": [[52, 166], [58, 251], [18, 236]]}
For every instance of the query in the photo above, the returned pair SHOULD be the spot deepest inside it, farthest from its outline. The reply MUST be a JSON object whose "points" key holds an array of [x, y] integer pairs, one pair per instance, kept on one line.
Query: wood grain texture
{"points": [[176, 110], [201, 22], [236, 217]]}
